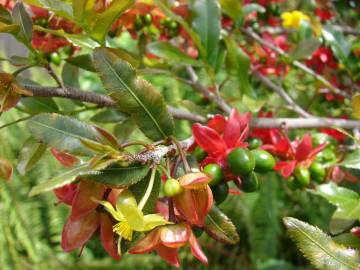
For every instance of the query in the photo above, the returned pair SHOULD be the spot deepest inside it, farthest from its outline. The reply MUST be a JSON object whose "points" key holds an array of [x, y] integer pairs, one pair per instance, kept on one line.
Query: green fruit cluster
{"points": [[245, 163], [241, 162]]}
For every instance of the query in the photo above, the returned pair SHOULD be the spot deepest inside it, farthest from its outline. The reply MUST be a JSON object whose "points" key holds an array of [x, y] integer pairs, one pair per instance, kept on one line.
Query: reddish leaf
{"points": [[170, 255], [66, 193], [76, 233], [64, 158], [83, 204], [146, 244], [209, 140], [196, 249], [108, 236]]}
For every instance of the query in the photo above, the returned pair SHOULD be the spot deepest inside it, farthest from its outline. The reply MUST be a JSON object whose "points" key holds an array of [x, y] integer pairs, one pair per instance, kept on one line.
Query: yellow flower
{"points": [[293, 19], [130, 216]]}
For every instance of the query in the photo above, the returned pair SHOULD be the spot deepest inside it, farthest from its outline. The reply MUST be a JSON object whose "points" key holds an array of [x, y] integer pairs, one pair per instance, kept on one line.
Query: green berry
{"points": [[250, 183], [172, 188], [220, 192], [215, 172], [241, 161], [254, 143], [264, 161]]}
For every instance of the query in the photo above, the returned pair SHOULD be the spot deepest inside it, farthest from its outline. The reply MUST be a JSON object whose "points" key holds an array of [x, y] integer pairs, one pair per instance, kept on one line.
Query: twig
{"points": [[55, 77], [295, 63], [194, 83], [99, 99], [282, 93], [314, 122]]}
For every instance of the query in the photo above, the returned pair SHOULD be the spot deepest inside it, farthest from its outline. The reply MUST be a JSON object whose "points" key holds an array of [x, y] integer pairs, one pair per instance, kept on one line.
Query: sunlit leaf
{"points": [[30, 154], [219, 226], [60, 180], [319, 248], [134, 95], [346, 200], [352, 160]]}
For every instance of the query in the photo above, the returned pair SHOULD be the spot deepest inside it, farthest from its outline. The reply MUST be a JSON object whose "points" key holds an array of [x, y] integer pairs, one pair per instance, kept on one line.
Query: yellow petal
{"points": [[153, 220], [108, 207]]}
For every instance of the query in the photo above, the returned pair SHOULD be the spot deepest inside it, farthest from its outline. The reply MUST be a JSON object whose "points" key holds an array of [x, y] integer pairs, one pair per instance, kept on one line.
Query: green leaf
{"points": [[254, 105], [59, 7], [124, 130], [219, 226], [78, 7], [171, 53], [62, 132], [134, 95], [109, 116], [140, 188], [83, 61], [346, 200], [5, 15], [60, 180], [319, 248], [22, 18], [36, 105], [104, 20], [238, 65], [76, 39], [206, 23], [120, 177], [352, 160], [70, 75], [305, 48], [30, 154], [232, 8], [9, 28]]}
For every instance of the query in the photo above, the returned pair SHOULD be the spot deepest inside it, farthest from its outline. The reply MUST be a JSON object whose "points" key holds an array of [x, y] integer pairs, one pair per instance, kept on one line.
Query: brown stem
{"points": [[172, 217]]}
